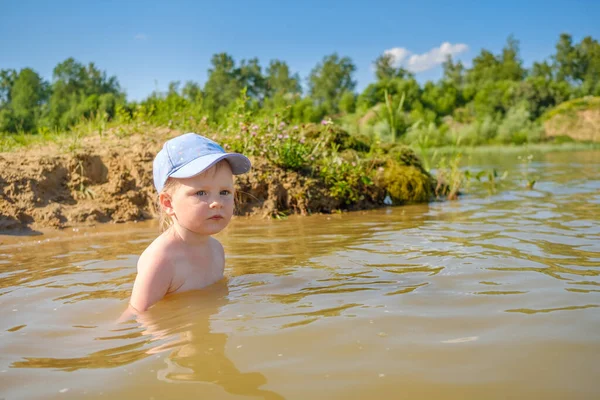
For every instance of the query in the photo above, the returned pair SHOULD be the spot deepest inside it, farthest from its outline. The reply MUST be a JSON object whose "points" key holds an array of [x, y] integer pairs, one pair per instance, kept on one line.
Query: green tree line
{"points": [[497, 98]]}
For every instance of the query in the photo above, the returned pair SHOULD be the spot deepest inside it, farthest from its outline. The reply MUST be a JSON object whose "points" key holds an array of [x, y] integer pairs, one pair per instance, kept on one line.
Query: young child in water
{"points": [[194, 178]]}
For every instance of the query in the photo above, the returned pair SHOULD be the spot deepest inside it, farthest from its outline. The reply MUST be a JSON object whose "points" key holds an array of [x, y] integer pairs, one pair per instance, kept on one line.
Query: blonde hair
{"points": [[164, 220]]}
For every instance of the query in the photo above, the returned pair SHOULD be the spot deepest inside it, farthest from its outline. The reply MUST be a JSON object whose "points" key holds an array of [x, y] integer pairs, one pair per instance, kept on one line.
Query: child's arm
{"points": [[151, 283]]}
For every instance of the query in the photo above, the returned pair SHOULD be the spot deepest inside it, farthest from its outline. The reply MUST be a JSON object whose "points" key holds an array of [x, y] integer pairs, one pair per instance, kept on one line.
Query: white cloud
{"points": [[140, 36], [398, 54], [422, 62]]}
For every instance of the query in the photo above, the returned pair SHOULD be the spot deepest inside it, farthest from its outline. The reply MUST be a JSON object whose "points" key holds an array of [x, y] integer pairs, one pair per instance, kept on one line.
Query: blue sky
{"points": [[147, 44]]}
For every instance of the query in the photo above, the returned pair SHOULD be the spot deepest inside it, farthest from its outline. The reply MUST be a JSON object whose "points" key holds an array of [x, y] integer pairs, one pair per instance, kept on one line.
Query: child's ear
{"points": [[166, 203]]}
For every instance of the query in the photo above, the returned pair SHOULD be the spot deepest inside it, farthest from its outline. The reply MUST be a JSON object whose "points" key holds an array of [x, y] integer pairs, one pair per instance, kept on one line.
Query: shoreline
{"points": [[512, 149], [102, 178], [108, 178]]}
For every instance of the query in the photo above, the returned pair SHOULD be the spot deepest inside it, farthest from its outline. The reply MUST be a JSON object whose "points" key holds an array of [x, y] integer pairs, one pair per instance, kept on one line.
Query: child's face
{"points": [[204, 203]]}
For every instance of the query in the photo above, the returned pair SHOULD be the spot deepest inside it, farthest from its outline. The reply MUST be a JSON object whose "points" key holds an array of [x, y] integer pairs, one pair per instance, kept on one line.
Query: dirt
{"points": [[579, 124], [99, 182], [109, 179]]}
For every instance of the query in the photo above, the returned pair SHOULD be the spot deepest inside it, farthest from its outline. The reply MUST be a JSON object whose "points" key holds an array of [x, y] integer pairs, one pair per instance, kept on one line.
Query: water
{"points": [[493, 296]]}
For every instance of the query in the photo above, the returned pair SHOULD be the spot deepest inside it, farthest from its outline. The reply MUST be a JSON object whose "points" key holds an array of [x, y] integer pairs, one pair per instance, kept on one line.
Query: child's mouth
{"points": [[216, 217]]}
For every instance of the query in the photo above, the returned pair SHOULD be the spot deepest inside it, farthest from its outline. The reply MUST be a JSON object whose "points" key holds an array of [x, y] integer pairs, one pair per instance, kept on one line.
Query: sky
{"points": [[148, 44]]}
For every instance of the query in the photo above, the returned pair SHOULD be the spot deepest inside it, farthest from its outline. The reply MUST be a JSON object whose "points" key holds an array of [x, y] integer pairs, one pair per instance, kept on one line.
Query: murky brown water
{"points": [[494, 296]]}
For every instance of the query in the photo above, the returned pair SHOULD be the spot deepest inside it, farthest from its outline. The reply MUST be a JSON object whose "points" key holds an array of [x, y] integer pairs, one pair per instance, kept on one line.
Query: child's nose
{"points": [[215, 204]]}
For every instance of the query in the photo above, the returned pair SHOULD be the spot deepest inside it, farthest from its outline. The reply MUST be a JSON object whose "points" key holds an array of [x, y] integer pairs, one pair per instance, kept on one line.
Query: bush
{"points": [[347, 181], [428, 135], [517, 128], [478, 132]]}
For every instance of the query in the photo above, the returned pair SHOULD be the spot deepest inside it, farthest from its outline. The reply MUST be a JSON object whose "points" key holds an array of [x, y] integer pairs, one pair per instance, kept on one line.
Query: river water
{"points": [[493, 296]]}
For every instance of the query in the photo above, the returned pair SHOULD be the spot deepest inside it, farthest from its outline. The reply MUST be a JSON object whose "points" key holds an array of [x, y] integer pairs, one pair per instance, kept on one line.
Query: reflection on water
{"points": [[493, 296], [193, 352]]}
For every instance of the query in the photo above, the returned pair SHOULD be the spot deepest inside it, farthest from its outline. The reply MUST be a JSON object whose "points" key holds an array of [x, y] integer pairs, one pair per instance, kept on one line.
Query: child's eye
{"points": [[201, 193], [225, 192]]}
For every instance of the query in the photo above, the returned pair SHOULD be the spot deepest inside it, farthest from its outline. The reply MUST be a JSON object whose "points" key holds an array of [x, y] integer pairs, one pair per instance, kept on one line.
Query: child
{"points": [[194, 178]]}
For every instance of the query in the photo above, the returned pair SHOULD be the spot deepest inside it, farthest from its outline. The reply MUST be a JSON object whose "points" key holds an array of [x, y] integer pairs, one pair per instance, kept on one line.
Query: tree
{"points": [[191, 91], [74, 77], [282, 89], [329, 80], [511, 66], [495, 98], [348, 102], [578, 64], [485, 68], [7, 80], [386, 70], [28, 93], [22, 96], [488, 67], [375, 93], [542, 70], [223, 85], [565, 58], [80, 91], [280, 81], [384, 67], [587, 69], [541, 93], [443, 98], [250, 76], [453, 72]]}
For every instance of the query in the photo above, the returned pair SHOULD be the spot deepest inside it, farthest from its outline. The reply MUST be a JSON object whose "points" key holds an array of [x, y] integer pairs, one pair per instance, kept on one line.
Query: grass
{"points": [[571, 106]]}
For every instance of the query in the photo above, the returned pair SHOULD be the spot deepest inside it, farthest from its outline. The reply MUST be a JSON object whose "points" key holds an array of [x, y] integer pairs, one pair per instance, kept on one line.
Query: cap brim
{"points": [[239, 163]]}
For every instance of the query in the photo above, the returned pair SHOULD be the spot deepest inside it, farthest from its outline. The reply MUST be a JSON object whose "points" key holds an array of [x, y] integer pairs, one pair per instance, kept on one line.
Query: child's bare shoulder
{"points": [[159, 253], [216, 245]]}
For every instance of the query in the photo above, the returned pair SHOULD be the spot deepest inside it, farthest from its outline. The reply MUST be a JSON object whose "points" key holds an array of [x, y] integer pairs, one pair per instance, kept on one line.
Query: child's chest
{"points": [[197, 270]]}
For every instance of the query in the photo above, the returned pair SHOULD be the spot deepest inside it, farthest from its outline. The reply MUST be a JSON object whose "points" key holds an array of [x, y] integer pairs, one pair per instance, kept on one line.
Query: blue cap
{"points": [[191, 154]]}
